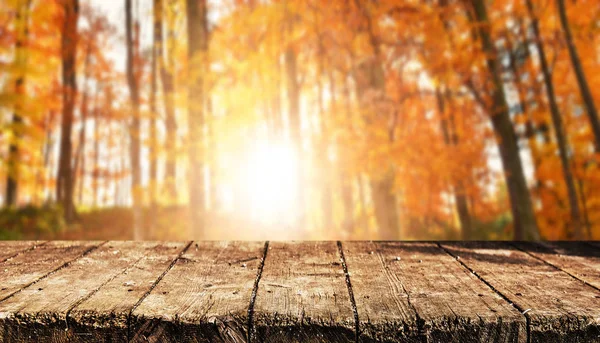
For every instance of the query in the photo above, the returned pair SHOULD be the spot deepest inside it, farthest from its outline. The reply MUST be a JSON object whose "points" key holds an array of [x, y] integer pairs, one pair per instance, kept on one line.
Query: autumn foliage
{"points": [[342, 119]]}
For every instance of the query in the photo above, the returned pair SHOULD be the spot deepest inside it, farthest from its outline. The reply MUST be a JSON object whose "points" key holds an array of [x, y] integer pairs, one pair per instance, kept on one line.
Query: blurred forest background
{"points": [[304, 119]]}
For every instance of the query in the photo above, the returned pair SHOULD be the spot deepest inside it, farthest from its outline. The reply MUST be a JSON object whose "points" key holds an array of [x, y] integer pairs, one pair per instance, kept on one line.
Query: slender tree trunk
{"points": [[48, 145], [382, 192], [382, 186], [14, 156], [525, 225], [295, 124], [586, 218], [584, 88], [327, 166], [168, 88], [83, 111], [531, 126], [95, 170], [278, 130], [80, 153], [157, 32], [197, 49], [364, 219], [214, 166], [134, 130], [344, 177], [69, 39], [460, 198], [559, 130]]}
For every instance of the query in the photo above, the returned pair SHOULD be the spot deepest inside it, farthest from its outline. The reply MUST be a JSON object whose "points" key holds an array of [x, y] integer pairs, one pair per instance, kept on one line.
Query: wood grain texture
{"points": [[299, 292], [302, 295], [203, 298], [384, 309], [105, 315], [40, 312], [10, 249], [581, 260], [31, 265], [452, 305], [559, 307]]}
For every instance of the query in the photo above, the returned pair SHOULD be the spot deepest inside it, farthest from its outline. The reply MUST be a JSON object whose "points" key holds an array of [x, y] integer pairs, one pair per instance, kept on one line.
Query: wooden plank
{"points": [[104, 316], [33, 264], [40, 312], [389, 279], [9, 249], [579, 259], [384, 309], [559, 308], [203, 298], [302, 295]]}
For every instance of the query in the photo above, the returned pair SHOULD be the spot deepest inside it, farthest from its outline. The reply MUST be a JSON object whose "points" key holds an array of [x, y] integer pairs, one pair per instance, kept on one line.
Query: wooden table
{"points": [[90, 291]]}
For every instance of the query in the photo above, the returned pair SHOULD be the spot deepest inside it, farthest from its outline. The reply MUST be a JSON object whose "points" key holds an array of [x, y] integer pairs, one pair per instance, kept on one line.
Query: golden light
{"points": [[265, 184]]}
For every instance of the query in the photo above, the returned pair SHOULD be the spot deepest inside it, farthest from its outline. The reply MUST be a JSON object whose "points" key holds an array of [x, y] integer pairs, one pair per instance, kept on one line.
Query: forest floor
{"points": [[162, 223]]}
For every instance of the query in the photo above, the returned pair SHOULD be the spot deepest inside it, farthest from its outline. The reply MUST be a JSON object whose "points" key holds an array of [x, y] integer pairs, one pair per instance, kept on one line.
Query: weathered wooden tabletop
{"points": [[299, 292]]}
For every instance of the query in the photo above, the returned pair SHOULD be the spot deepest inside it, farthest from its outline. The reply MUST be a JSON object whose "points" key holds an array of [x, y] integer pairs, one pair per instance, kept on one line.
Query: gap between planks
{"points": [[32, 247], [522, 311], [62, 266], [350, 291], [250, 323], [158, 280], [556, 266]]}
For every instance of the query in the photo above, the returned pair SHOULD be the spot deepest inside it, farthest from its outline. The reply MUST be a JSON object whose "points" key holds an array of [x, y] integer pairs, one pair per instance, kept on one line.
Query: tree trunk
{"points": [[197, 49], [168, 88], [295, 125], [559, 131], [525, 225], [14, 158], [344, 177], [153, 172], [460, 199], [326, 165], [384, 200], [134, 130], [382, 193], [584, 88], [78, 167], [214, 166], [48, 148], [68, 55], [96, 159], [364, 219]]}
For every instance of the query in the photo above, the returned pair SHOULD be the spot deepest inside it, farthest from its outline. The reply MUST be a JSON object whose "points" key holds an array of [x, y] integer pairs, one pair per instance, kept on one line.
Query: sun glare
{"points": [[268, 175]]}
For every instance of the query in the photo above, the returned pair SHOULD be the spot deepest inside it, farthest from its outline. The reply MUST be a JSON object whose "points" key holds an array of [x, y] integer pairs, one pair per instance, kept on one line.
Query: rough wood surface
{"points": [[559, 308], [302, 295], [581, 260], [40, 312], [384, 309], [299, 292], [451, 304], [10, 249], [33, 264], [203, 298], [104, 315]]}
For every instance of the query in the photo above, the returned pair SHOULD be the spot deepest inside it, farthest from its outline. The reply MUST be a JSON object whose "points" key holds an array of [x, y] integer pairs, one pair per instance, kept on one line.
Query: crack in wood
{"points": [[554, 266], [259, 271], [64, 265], [523, 312], [350, 292], [94, 291], [33, 247], [154, 284]]}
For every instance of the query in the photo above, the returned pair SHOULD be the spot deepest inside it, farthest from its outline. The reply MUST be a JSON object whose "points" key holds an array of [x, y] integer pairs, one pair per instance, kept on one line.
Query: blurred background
{"points": [[299, 119]]}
